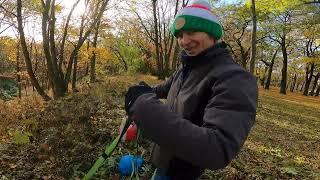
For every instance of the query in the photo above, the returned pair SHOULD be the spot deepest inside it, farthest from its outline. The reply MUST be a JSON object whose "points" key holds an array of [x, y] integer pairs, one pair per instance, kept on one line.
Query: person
{"points": [[211, 101]]}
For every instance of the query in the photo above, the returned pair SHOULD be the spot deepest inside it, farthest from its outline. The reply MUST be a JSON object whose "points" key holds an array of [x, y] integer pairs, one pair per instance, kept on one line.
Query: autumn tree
{"points": [[236, 20], [53, 49], [253, 37], [312, 58], [270, 69], [156, 27]]}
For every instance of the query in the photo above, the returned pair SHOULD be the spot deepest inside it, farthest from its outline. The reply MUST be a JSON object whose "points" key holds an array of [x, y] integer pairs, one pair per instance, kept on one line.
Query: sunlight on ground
{"points": [[295, 97]]}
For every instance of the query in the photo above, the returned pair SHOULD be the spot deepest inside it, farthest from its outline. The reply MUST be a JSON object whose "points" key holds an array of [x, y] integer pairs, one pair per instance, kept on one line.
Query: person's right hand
{"points": [[134, 92]]}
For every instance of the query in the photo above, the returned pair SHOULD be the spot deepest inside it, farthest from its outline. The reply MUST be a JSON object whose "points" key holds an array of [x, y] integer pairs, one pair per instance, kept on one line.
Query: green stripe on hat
{"points": [[197, 24]]}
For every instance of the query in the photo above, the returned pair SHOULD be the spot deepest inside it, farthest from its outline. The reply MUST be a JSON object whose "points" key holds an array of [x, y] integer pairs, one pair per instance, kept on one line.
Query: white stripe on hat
{"points": [[198, 12]]}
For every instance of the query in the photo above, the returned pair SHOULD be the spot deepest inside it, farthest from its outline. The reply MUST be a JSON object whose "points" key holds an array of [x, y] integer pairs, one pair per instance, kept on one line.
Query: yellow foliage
{"points": [[273, 5], [9, 46], [23, 74], [101, 53], [315, 59]]}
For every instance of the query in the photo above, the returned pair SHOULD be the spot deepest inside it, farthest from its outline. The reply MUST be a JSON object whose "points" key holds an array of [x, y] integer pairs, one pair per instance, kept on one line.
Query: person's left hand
{"points": [[134, 92]]}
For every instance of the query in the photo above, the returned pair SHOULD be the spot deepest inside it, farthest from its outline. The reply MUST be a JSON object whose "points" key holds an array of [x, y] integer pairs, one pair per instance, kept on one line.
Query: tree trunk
{"points": [[284, 67], [318, 91], [156, 38], [243, 56], [171, 40], [263, 79], [87, 69], [82, 39], [93, 57], [308, 79], [57, 83], [44, 75], [160, 44], [26, 54], [302, 87], [65, 33], [18, 68], [267, 85], [175, 56], [31, 57], [37, 60], [293, 83], [315, 82], [297, 86], [120, 57], [74, 74], [253, 37]]}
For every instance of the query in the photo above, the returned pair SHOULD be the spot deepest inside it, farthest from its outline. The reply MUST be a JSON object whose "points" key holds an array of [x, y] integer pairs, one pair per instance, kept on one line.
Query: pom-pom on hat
{"points": [[197, 17]]}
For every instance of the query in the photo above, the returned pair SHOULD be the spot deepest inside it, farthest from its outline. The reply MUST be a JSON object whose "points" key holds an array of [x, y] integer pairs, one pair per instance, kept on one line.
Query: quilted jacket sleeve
{"points": [[228, 118], [162, 90]]}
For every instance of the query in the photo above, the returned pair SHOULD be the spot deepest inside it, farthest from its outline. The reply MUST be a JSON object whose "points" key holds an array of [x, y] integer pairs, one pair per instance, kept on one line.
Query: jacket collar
{"points": [[204, 56]]}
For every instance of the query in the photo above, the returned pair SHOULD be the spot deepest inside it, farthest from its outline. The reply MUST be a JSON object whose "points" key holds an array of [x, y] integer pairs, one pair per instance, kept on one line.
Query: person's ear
{"points": [[213, 40]]}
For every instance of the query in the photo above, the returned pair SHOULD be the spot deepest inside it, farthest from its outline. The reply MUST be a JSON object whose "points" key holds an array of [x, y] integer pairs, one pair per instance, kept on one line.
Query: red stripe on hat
{"points": [[198, 6]]}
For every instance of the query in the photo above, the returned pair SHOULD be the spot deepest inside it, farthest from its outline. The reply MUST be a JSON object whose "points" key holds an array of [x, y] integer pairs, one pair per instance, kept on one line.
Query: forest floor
{"points": [[61, 139]]}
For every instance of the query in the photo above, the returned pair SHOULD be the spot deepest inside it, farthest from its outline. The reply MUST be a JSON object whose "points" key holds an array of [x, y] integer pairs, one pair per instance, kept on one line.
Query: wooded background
{"points": [[278, 41], [66, 65]]}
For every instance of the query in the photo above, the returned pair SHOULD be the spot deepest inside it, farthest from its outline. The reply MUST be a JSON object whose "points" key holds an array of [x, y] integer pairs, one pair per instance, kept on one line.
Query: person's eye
{"points": [[190, 33], [180, 35]]}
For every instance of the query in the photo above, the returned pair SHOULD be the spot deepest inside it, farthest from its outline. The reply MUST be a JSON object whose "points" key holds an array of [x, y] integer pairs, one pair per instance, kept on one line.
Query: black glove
{"points": [[134, 92]]}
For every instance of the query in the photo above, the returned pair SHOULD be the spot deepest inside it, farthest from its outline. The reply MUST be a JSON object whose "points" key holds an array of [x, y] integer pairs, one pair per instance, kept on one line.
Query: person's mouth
{"points": [[189, 49]]}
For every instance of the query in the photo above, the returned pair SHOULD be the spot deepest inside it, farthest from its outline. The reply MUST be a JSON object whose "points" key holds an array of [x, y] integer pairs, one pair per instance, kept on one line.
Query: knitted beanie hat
{"points": [[197, 17]]}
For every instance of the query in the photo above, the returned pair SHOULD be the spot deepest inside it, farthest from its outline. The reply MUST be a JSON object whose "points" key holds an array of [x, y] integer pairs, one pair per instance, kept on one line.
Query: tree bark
{"points": [[120, 57], [293, 85], [26, 54], [18, 68], [263, 79], [94, 57], [267, 85], [308, 79], [175, 56], [318, 91], [156, 39], [75, 57], [315, 82], [284, 69], [58, 85], [253, 37], [74, 75], [302, 86], [65, 32], [57, 79]]}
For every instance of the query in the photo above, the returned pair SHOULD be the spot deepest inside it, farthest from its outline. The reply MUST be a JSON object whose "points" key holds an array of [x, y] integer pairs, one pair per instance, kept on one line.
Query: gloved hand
{"points": [[134, 92]]}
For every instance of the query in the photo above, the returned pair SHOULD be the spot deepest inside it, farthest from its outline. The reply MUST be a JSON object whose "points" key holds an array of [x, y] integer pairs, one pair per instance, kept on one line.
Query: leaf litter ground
{"points": [[70, 133]]}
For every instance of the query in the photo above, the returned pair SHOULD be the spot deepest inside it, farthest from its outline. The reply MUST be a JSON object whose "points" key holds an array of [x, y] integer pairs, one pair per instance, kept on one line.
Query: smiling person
{"points": [[211, 101]]}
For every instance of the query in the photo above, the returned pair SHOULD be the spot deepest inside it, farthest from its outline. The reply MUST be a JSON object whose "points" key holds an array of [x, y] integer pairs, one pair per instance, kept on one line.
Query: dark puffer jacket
{"points": [[210, 109]]}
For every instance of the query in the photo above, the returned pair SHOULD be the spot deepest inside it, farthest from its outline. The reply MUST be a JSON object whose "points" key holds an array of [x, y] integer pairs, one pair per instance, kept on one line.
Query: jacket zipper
{"points": [[181, 81]]}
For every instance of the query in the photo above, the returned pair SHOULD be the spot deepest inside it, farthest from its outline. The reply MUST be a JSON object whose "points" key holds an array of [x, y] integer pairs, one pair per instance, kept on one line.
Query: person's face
{"points": [[194, 42]]}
